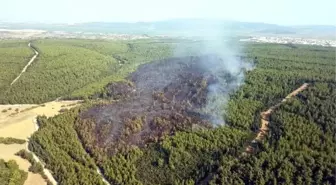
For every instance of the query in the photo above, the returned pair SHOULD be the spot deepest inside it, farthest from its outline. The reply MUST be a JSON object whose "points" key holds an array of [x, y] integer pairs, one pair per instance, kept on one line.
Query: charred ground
{"points": [[159, 99], [299, 148]]}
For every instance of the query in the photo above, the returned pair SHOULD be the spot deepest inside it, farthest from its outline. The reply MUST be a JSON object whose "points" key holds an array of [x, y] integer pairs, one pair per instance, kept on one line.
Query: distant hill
{"points": [[184, 27]]}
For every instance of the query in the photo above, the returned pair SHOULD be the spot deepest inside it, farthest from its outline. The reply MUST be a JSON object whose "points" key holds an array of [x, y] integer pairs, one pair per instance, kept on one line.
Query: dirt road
{"points": [[19, 121], [29, 63], [103, 178], [266, 115], [45, 171]]}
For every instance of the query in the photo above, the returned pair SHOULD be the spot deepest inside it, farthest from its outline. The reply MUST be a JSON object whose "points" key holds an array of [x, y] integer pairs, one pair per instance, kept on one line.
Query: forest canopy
{"points": [[299, 148], [11, 174]]}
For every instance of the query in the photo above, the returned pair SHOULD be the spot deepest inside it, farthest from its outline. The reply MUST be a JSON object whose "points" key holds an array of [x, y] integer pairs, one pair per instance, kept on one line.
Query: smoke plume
{"points": [[229, 69]]}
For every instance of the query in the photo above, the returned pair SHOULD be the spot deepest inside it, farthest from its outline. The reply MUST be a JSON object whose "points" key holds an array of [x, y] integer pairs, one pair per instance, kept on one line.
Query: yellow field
{"points": [[19, 121]]}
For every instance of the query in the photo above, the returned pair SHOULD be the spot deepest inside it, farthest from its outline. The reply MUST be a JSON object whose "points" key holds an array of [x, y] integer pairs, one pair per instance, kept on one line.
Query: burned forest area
{"points": [[156, 119], [157, 100]]}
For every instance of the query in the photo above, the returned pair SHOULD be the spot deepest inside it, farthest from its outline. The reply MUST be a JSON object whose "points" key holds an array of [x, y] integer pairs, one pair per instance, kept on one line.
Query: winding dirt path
{"points": [[19, 121], [29, 63], [265, 116], [16, 125]]}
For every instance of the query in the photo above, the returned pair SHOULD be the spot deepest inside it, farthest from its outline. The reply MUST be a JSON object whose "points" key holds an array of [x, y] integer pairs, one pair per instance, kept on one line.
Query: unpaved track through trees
{"points": [[29, 63], [266, 115], [45, 170]]}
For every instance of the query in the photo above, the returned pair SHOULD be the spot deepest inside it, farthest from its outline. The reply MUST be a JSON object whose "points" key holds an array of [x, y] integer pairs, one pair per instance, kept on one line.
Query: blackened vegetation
{"points": [[119, 90], [165, 97], [299, 149]]}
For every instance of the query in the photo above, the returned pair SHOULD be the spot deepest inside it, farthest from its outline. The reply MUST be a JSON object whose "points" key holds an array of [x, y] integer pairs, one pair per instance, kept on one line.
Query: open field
{"points": [[20, 124], [19, 121]]}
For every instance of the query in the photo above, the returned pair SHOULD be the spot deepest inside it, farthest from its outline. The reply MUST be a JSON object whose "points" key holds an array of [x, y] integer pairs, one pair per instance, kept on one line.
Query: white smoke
{"points": [[229, 70]]}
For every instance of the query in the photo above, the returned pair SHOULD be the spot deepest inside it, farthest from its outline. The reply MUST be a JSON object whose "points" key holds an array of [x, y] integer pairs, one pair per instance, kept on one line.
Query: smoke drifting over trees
{"points": [[224, 64]]}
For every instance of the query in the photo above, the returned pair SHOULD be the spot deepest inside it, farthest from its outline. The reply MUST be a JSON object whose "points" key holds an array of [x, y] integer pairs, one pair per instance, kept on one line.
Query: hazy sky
{"points": [[287, 12]]}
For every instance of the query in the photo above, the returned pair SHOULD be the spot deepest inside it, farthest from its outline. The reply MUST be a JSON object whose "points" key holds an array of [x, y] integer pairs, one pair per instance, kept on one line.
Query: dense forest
{"points": [[14, 56], [299, 148], [72, 68]]}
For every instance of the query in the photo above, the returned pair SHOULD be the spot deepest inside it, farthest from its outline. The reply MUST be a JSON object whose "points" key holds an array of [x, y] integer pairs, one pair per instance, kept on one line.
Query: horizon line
{"points": [[154, 21]]}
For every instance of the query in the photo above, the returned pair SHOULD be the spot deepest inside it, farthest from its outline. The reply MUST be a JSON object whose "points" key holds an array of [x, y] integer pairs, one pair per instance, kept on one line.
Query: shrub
{"points": [[10, 140]]}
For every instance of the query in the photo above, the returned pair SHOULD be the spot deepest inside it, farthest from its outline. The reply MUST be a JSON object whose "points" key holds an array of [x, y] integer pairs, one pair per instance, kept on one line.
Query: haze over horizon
{"points": [[285, 12]]}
